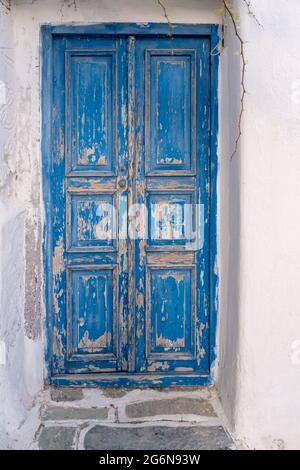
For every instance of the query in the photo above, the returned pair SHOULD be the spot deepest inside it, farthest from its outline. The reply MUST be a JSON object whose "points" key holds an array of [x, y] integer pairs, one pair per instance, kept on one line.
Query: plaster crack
{"points": [[6, 4], [251, 13], [74, 4], [69, 4], [229, 9], [166, 15]]}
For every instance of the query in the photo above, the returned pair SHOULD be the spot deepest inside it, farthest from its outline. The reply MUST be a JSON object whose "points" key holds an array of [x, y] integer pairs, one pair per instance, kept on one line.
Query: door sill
{"points": [[131, 380]]}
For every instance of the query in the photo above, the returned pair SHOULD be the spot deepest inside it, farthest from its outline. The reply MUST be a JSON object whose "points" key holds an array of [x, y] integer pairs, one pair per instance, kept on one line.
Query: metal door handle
{"points": [[122, 183]]}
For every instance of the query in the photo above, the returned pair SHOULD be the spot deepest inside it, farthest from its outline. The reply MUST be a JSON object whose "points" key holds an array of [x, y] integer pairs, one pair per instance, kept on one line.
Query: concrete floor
{"points": [[122, 419]]}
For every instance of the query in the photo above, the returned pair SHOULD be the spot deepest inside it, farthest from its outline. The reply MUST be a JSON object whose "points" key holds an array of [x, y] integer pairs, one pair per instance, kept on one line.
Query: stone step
{"points": [[170, 406], [157, 438], [60, 413], [128, 420], [152, 437]]}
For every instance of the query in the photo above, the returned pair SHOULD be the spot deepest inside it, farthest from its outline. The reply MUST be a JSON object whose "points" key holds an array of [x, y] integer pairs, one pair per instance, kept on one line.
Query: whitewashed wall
{"points": [[258, 198], [20, 183], [260, 370], [17, 384]]}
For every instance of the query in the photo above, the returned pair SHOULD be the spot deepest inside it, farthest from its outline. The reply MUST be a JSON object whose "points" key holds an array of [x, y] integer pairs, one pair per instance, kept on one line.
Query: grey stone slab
{"points": [[61, 413], [114, 392], [66, 394], [56, 438], [157, 438], [170, 406]]}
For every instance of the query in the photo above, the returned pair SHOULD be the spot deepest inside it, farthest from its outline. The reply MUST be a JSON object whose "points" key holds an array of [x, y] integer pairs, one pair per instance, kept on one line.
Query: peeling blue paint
{"points": [[143, 130]]}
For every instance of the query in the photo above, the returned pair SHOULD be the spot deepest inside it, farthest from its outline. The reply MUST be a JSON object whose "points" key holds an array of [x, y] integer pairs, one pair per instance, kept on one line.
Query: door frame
{"points": [[128, 379]]}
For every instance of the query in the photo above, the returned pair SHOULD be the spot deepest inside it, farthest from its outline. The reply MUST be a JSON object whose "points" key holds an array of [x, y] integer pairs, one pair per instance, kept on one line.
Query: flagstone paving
{"points": [[157, 438], [120, 419]]}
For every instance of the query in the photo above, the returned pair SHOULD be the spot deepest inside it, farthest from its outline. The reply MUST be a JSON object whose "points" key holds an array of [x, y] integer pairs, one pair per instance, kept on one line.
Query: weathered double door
{"points": [[130, 206]]}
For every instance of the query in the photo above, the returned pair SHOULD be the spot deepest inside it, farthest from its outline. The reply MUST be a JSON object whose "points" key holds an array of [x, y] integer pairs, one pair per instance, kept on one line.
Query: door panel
{"points": [[91, 221], [92, 307], [91, 112], [172, 180], [169, 111], [171, 219], [130, 127], [170, 308]]}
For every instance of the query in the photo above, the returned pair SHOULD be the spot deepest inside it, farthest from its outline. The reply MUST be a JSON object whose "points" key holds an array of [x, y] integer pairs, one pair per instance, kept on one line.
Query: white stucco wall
{"points": [[20, 180], [258, 197], [21, 349], [259, 356], [20, 375]]}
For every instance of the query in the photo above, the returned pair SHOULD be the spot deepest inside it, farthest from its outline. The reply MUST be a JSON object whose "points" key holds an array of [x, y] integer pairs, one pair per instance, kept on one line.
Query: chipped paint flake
{"points": [[168, 344], [86, 154], [158, 366], [94, 344], [58, 258], [57, 343]]}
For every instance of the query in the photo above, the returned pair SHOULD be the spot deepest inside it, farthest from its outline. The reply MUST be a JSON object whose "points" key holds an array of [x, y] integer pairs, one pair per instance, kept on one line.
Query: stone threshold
{"points": [[122, 419]]}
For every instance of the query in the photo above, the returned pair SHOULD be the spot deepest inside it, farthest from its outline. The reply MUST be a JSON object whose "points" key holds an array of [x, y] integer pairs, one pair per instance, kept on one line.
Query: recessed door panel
{"points": [[171, 307], [92, 221], [92, 312], [169, 111], [91, 111], [171, 219]]}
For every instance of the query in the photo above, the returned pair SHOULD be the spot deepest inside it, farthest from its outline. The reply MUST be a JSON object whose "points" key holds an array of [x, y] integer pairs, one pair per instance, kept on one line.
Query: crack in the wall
{"points": [[6, 4], [229, 9], [166, 15], [74, 4], [69, 4], [251, 13]]}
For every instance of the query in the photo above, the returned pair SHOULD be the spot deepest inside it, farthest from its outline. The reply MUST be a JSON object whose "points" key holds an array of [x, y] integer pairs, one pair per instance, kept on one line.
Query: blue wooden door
{"points": [[130, 206]]}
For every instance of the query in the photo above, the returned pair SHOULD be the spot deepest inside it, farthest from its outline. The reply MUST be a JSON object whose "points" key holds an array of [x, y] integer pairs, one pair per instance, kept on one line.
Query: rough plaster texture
{"points": [[258, 201], [20, 369], [259, 377], [20, 178]]}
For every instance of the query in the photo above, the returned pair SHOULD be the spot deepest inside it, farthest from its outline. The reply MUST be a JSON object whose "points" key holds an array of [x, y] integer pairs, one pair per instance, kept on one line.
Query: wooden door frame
{"points": [[128, 379]]}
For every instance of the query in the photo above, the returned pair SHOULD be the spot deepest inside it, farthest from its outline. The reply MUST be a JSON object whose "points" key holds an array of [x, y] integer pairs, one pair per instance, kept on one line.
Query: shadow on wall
{"points": [[229, 222]]}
